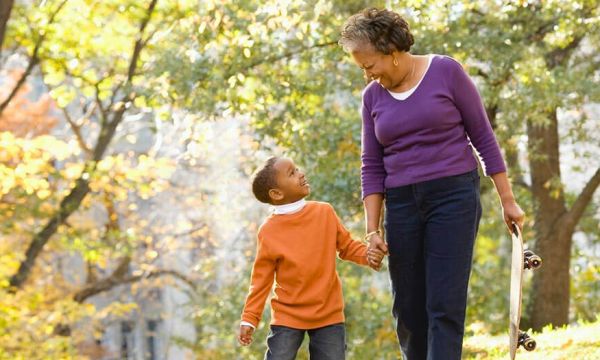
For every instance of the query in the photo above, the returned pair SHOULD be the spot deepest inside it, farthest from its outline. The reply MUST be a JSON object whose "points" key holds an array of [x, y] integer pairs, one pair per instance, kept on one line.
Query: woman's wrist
{"points": [[371, 233], [503, 188], [507, 199], [373, 228]]}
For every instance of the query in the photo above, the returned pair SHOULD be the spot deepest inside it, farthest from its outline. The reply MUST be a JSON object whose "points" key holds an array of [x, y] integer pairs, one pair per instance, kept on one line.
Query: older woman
{"points": [[422, 119]]}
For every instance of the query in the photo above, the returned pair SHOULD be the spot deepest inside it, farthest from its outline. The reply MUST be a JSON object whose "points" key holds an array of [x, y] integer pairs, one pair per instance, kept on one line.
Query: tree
{"points": [[111, 114], [73, 194]]}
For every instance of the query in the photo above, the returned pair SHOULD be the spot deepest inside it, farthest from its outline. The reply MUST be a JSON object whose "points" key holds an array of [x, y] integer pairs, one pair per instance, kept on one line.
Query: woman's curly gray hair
{"points": [[385, 30]]}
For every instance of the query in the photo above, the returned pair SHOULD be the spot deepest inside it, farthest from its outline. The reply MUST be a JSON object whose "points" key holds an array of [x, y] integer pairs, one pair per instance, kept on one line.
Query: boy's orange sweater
{"points": [[298, 252]]}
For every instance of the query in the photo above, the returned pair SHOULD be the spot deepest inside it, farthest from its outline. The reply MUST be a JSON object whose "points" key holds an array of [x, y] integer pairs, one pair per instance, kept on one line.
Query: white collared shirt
{"points": [[289, 208]]}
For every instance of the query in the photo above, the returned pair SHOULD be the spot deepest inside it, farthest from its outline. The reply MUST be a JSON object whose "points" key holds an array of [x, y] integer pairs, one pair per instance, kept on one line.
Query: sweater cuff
{"points": [[367, 192], [247, 324]]}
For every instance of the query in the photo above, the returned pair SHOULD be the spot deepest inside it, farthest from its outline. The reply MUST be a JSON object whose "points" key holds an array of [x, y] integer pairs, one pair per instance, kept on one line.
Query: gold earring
{"points": [[395, 62]]}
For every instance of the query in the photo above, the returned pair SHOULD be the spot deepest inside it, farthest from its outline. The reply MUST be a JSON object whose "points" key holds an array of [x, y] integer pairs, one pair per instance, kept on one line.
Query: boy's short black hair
{"points": [[264, 179]]}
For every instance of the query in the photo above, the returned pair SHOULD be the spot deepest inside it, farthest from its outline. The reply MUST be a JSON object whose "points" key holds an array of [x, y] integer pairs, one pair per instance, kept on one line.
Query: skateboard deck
{"points": [[521, 260]]}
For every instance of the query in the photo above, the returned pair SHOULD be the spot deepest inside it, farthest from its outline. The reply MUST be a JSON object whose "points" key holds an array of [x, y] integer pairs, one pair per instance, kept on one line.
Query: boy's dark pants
{"points": [[326, 343], [431, 228]]}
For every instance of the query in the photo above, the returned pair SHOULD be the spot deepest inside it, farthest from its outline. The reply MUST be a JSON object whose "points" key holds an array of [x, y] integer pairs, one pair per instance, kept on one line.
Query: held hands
{"points": [[375, 257], [245, 336], [376, 250]]}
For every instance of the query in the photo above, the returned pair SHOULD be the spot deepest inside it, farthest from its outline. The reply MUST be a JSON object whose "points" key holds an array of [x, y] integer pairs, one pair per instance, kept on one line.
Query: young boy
{"points": [[297, 247]]}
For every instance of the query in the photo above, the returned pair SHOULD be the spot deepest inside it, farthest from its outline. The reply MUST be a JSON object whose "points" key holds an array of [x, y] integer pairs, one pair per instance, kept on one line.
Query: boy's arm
{"points": [[349, 249], [263, 272]]}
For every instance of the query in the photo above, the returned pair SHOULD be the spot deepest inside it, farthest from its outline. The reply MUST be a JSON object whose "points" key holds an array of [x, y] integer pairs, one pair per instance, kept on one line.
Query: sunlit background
{"points": [[129, 130]]}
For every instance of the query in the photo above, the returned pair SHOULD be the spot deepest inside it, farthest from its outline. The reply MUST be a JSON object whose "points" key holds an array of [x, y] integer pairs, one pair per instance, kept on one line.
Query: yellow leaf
{"points": [[43, 194]]}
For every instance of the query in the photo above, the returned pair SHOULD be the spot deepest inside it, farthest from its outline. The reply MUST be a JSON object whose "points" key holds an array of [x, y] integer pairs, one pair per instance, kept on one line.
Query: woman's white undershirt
{"points": [[405, 94]]}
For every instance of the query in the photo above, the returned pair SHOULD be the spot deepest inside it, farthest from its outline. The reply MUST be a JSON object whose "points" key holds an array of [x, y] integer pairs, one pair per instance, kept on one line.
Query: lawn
{"points": [[581, 342]]}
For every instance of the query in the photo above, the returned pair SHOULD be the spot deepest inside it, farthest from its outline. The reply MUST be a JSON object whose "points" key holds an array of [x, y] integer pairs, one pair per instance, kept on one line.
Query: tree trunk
{"points": [[554, 222], [69, 204], [550, 293], [5, 10]]}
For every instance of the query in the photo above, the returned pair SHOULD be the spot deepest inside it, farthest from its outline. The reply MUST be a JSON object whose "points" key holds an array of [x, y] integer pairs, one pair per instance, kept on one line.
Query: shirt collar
{"points": [[289, 208]]}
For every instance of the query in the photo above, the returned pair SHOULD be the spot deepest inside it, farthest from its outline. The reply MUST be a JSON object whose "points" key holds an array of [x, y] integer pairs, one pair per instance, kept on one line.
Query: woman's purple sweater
{"points": [[429, 135]]}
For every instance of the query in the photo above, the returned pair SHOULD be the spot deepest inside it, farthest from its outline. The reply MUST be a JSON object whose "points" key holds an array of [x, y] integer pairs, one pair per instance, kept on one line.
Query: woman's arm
{"points": [[512, 212], [478, 127], [372, 204], [372, 179]]}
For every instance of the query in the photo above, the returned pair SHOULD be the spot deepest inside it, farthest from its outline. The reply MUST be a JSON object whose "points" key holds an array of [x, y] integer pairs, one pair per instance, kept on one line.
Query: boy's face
{"points": [[291, 183]]}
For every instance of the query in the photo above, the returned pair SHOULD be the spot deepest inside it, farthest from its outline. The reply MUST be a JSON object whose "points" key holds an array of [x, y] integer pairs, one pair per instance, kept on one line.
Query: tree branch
{"points": [[139, 43], [76, 127], [72, 201], [559, 56], [584, 198], [33, 61], [189, 232], [116, 279], [274, 58], [67, 206], [101, 108]]}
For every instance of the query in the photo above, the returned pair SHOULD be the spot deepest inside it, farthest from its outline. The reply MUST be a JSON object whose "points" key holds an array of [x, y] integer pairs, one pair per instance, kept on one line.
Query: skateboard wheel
{"points": [[526, 341], [532, 261], [529, 344], [535, 261]]}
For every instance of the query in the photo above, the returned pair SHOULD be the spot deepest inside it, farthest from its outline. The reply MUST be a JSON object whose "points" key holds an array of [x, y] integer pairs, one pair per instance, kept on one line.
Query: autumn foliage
{"points": [[25, 116]]}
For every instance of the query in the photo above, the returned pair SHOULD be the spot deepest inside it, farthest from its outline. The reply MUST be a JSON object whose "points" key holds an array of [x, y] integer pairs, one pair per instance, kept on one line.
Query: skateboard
{"points": [[521, 260]]}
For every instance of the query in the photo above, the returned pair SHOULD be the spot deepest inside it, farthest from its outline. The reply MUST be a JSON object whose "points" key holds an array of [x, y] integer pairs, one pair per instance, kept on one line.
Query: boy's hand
{"points": [[375, 257], [245, 337]]}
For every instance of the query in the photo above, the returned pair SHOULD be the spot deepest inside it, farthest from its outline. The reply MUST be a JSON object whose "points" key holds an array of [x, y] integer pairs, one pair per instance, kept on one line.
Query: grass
{"points": [[580, 342]]}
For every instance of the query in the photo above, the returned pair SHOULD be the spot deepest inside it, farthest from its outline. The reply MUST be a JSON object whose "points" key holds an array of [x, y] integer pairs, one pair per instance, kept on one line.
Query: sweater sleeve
{"points": [[261, 283], [477, 125], [349, 249], [372, 169]]}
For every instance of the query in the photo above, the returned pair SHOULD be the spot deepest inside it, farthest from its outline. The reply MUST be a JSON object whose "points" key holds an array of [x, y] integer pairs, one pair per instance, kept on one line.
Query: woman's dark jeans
{"points": [[326, 343], [430, 230]]}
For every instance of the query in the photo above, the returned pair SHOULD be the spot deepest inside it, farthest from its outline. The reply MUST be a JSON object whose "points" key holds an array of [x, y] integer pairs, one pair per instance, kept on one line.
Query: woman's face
{"points": [[375, 65]]}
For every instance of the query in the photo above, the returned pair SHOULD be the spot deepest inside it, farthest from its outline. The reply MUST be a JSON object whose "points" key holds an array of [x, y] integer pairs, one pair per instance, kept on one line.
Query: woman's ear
{"points": [[275, 194]]}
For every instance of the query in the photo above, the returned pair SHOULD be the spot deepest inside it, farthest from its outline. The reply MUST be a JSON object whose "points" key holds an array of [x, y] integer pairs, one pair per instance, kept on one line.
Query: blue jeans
{"points": [[326, 343], [430, 230]]}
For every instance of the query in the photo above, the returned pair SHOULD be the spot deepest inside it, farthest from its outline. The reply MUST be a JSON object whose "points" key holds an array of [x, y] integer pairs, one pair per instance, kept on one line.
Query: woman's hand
{"points": [[512, 212], [376, 244]]}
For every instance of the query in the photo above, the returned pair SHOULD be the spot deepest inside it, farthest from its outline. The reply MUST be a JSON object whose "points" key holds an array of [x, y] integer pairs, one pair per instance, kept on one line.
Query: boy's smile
{"points": [[292, 184]]}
